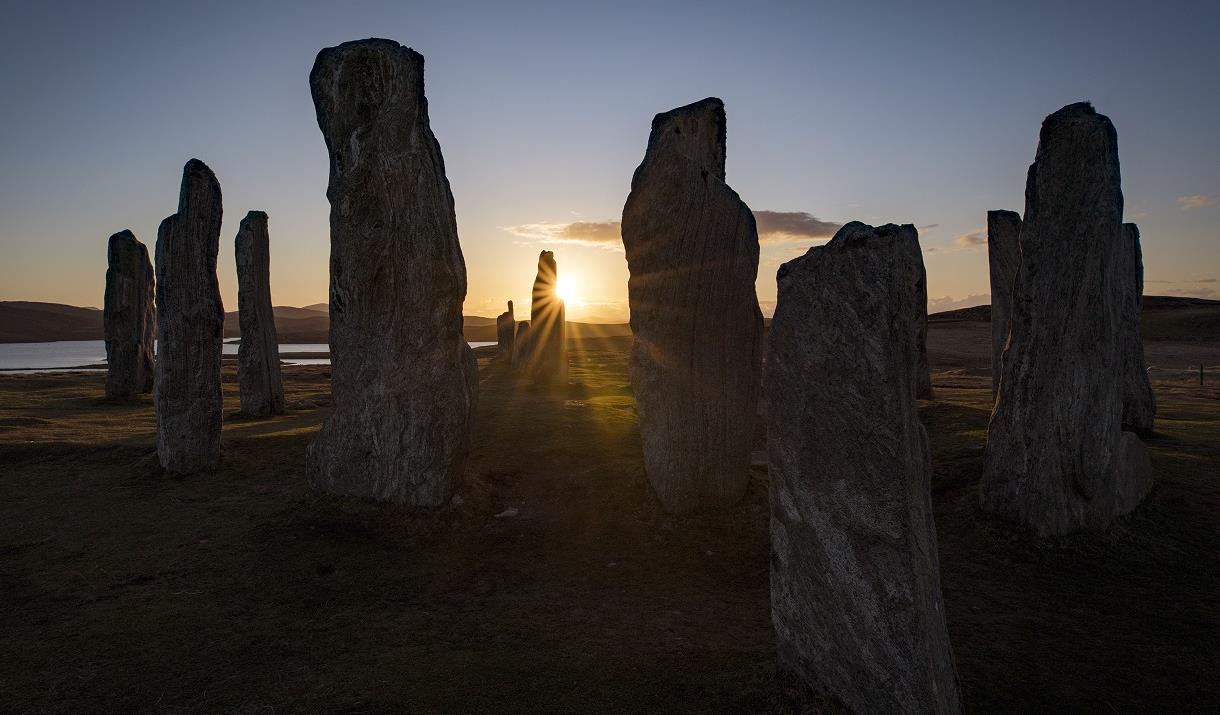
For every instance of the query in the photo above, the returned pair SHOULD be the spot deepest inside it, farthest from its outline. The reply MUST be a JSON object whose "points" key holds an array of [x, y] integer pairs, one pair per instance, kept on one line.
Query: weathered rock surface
{"points": [[909, 239], [1139, 404], [506, 331], [190, 324], [521, 345], [547, 354], [129, 316], [1057, 460], [258, 356], [1003, 256], [404, 381], [855, 578], [692, 249]]}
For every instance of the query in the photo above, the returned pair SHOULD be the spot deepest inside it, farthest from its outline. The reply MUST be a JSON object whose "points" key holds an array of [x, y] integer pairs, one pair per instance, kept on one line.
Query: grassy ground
{"points": [[122, 589]]}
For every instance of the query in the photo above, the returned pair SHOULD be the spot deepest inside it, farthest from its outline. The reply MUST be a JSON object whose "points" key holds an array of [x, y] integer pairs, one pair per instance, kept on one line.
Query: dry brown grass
{"points": [[122, 589]]}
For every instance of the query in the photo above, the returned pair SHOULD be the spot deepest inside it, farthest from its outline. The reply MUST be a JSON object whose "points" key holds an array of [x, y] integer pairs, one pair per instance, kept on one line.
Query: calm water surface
{"points": [[92, 353]]}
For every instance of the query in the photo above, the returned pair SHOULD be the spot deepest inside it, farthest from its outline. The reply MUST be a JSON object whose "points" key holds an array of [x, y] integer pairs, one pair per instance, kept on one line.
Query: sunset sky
{"points": [[920, 113]]}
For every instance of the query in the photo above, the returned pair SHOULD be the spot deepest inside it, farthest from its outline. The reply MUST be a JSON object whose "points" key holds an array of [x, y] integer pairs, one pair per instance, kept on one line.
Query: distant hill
{"points": [[30, 322], [1165, 317]]}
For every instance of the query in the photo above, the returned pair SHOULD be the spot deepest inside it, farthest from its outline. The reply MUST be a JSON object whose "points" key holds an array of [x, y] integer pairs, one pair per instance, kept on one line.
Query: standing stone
{"points": [[1057, 460], [521, 345], [190, 326], [506, 329], [1003, 256], [855, 578], [404, 381], [258, 357], [130, 317], [1139, 404], [923, 373], [692, 249], [548, 342]]}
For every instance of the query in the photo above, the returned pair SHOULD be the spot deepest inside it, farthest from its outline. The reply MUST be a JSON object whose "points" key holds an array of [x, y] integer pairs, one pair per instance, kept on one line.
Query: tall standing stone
{"points": [[1003, 257], [404, 381], [521, 345], [190, 326], [547, 346], [923, 373], [692, 249], [258, 356], [1057, 460], [1139, 404], [129, 316], [855, 577], [506, 331]]}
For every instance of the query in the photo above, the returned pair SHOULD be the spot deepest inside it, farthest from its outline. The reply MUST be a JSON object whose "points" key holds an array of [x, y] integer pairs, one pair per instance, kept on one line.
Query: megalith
{"points": [[129, 317], [692, 250], [404, 382], [548, 347], [521, 345], [1057, 459], [1139, 404], [855, 577], [1003, 255], [258, 355], [190, 326], [506, 331]]}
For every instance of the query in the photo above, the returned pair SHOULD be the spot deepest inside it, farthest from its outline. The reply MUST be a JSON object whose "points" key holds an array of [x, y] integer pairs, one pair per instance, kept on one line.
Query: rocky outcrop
{"points": [[692, 249], [258, 356], [129, 317], [855, 579], [548, 342], [521, 345], [404, 382], [190, 323], [1003, 256], [1139, 404], [506, 330], [1057, 460]]}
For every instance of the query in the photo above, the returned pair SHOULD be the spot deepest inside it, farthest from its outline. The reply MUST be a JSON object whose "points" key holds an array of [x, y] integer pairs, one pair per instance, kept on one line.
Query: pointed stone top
{"points": [[547, 258], [123, 243], [198, 181], [695, 132], [510, 307]]}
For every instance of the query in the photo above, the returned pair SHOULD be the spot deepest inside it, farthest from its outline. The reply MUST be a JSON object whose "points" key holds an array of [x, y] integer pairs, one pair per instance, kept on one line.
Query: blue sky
{"points": [[923, 113]]}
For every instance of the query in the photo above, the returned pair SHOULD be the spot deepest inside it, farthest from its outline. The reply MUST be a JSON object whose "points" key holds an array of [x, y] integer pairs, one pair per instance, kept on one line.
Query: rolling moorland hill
{"points": [[1165, 318]]}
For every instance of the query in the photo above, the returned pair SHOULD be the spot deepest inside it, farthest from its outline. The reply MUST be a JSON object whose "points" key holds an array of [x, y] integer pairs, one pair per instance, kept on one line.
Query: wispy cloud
{"points": [[788, 226], [600, 234], [977, 237], [773, 227], [1197, 201]]}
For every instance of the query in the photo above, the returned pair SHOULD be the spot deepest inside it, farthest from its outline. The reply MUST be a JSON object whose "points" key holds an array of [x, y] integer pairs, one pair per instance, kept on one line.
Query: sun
{"points": [[566, 291]]}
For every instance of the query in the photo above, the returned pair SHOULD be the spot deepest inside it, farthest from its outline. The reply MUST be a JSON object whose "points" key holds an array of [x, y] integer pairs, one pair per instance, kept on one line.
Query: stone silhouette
{"points": [[909, 239], [521, 345], [547, 349], [1057, 460], [404, 380], [129, 316], [190, 325], [1003, 256], [692, 249], [855, 578], [506, 331], [258, 356], [1139, 404]]}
